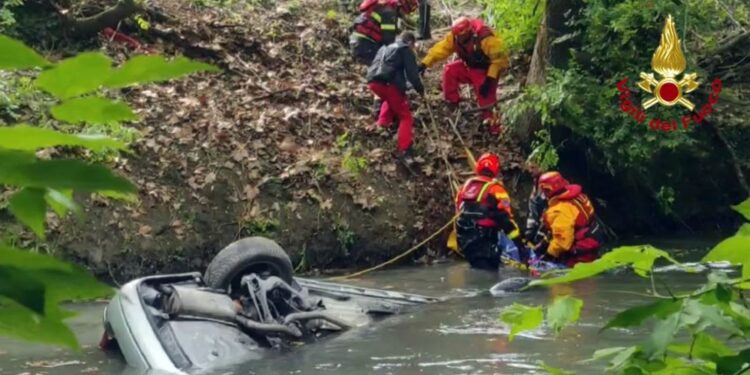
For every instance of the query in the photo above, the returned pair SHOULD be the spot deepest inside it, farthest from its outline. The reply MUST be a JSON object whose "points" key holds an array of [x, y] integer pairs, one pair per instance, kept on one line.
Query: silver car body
{"points": [[127, 320]]}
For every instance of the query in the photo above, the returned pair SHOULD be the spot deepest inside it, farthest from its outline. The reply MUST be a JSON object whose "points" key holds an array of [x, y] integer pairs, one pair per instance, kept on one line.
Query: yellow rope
{"points": [[396, 258]]}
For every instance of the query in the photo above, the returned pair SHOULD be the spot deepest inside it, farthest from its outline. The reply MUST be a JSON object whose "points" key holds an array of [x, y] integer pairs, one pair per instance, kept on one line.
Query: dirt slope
{"points": [[274, 146]]}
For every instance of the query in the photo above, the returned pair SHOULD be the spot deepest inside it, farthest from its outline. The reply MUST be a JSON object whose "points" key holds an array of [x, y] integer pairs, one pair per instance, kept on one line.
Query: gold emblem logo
{"points": [[669, 62]]}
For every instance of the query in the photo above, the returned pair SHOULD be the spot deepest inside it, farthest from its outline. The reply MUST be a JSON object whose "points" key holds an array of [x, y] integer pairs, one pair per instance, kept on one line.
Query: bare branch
{"points": [[109, 17]]}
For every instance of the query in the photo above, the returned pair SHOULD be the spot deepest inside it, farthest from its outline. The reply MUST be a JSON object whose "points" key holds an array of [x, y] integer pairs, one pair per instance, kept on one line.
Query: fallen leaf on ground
{"points": [[144, 231]]}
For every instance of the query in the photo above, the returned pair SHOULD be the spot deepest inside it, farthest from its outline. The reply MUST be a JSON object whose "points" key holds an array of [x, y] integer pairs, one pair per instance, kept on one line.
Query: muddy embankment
{"points": [[275, 145]]}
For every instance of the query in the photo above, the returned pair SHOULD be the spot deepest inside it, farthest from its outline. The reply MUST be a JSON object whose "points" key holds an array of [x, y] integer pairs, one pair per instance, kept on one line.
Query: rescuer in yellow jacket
{"points": [[576, 235], [481, 59]]}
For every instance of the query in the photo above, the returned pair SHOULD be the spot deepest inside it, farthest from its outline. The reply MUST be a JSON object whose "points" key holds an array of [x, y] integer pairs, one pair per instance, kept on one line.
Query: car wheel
{"points": [[258, 255]]}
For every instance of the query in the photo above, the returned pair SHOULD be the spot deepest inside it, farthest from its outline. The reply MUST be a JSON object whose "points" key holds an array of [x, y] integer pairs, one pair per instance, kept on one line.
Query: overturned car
{"points": [[247, 304]]}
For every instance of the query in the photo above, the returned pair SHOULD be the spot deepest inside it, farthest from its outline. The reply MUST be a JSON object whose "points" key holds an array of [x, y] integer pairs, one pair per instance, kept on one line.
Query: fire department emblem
{"points": [[669, 62]]}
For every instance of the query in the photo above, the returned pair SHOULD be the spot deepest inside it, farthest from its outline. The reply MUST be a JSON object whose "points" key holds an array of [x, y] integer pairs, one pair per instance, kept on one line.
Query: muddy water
{"points": [[460, 336]]}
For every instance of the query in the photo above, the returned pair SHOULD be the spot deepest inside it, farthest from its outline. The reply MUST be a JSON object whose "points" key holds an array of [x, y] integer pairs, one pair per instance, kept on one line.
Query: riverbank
{"points": [[275, 145]]}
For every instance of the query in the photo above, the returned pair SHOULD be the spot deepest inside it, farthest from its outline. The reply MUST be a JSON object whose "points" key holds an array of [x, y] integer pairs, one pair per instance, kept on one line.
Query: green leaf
{"points": [[75, 284], [76, 76], [622, 358], [701, 316], [636, 315], [61, 202], [563, 311], [743, 208], [21, 169], [93, 110], [16, 55], [693, 315], [12, 257], [555, 371], [679, 366], [21, 287], [641, 258], [29, 206], [739, 313], [19, 322], [704, 347], [736, 250], [61, 282], [733, 249], [733, 365], [661, 336], [606, 352], [522, 318], [24, 137], [145, 68]]}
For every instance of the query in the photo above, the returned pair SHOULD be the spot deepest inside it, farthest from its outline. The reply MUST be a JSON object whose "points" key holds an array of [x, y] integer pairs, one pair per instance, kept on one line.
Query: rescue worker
{"points": [[481, 59], [393, 65], [485, 212], [377, 26], [575, 234]]}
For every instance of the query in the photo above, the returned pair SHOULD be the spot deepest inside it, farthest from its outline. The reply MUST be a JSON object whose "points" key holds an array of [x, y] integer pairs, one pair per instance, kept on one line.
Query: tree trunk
{"points": [[530, 121], [547, 52], [109, 17]]}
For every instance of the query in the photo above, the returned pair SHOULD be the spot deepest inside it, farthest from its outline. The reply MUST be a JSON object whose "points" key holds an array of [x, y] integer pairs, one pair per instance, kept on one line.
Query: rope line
{"points": [[396, 258]]}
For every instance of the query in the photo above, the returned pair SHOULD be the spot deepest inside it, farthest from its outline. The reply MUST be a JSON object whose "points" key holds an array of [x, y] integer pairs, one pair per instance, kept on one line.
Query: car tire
{"points": [[248, 255]]}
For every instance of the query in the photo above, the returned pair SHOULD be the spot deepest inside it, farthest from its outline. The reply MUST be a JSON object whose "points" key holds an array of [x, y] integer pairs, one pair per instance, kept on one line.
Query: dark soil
{"points": [[274, 146]]}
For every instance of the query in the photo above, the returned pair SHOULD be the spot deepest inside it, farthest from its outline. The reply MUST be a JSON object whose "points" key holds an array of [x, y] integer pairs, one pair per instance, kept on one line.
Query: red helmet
{"points": [[488, 163], [461, 26], [551, 183], [409, 6]]}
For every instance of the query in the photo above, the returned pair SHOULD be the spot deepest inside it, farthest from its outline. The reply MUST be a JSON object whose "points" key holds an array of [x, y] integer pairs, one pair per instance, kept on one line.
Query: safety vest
{"points": [[369, 25], [470, 52], [588, 232], [473, 199]]}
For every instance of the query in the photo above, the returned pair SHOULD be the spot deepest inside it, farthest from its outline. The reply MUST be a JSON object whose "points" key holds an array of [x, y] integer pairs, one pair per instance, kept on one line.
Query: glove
{"points": [[421, 68], [484, 90]]}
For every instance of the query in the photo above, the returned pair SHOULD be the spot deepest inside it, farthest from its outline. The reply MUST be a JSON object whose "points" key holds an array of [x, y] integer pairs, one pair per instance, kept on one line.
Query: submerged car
{"points": [[246, 305]]}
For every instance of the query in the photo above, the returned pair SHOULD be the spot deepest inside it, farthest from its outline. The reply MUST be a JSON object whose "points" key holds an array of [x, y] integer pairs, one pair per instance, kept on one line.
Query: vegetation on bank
{"points": [[701, 332], [34, 284], [576, 100]]}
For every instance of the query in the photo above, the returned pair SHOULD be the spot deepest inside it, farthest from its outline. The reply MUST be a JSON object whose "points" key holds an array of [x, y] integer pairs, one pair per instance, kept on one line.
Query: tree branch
{"points": [[725, 45], [109, 17], [741, 180]]}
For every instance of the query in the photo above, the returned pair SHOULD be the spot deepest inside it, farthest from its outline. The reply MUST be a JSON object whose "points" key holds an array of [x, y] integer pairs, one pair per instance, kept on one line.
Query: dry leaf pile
{"points": [[272, 139]]}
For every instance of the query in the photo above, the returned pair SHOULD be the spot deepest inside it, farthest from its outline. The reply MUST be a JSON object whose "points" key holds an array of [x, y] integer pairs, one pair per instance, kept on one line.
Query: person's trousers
{"points": [[395, 103], [457, 73]]}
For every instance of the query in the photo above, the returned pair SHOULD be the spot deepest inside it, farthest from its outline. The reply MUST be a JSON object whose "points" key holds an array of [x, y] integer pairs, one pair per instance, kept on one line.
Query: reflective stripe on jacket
{"points": [[492, 196], [377, 25]]}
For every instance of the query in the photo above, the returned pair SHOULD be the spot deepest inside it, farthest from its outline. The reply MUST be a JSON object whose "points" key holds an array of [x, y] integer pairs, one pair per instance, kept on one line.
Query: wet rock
{"points": [[511, 285]]}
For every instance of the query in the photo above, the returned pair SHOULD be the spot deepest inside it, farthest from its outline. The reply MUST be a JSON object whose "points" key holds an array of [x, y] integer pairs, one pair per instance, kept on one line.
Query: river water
{"points": [[460, 336]]}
